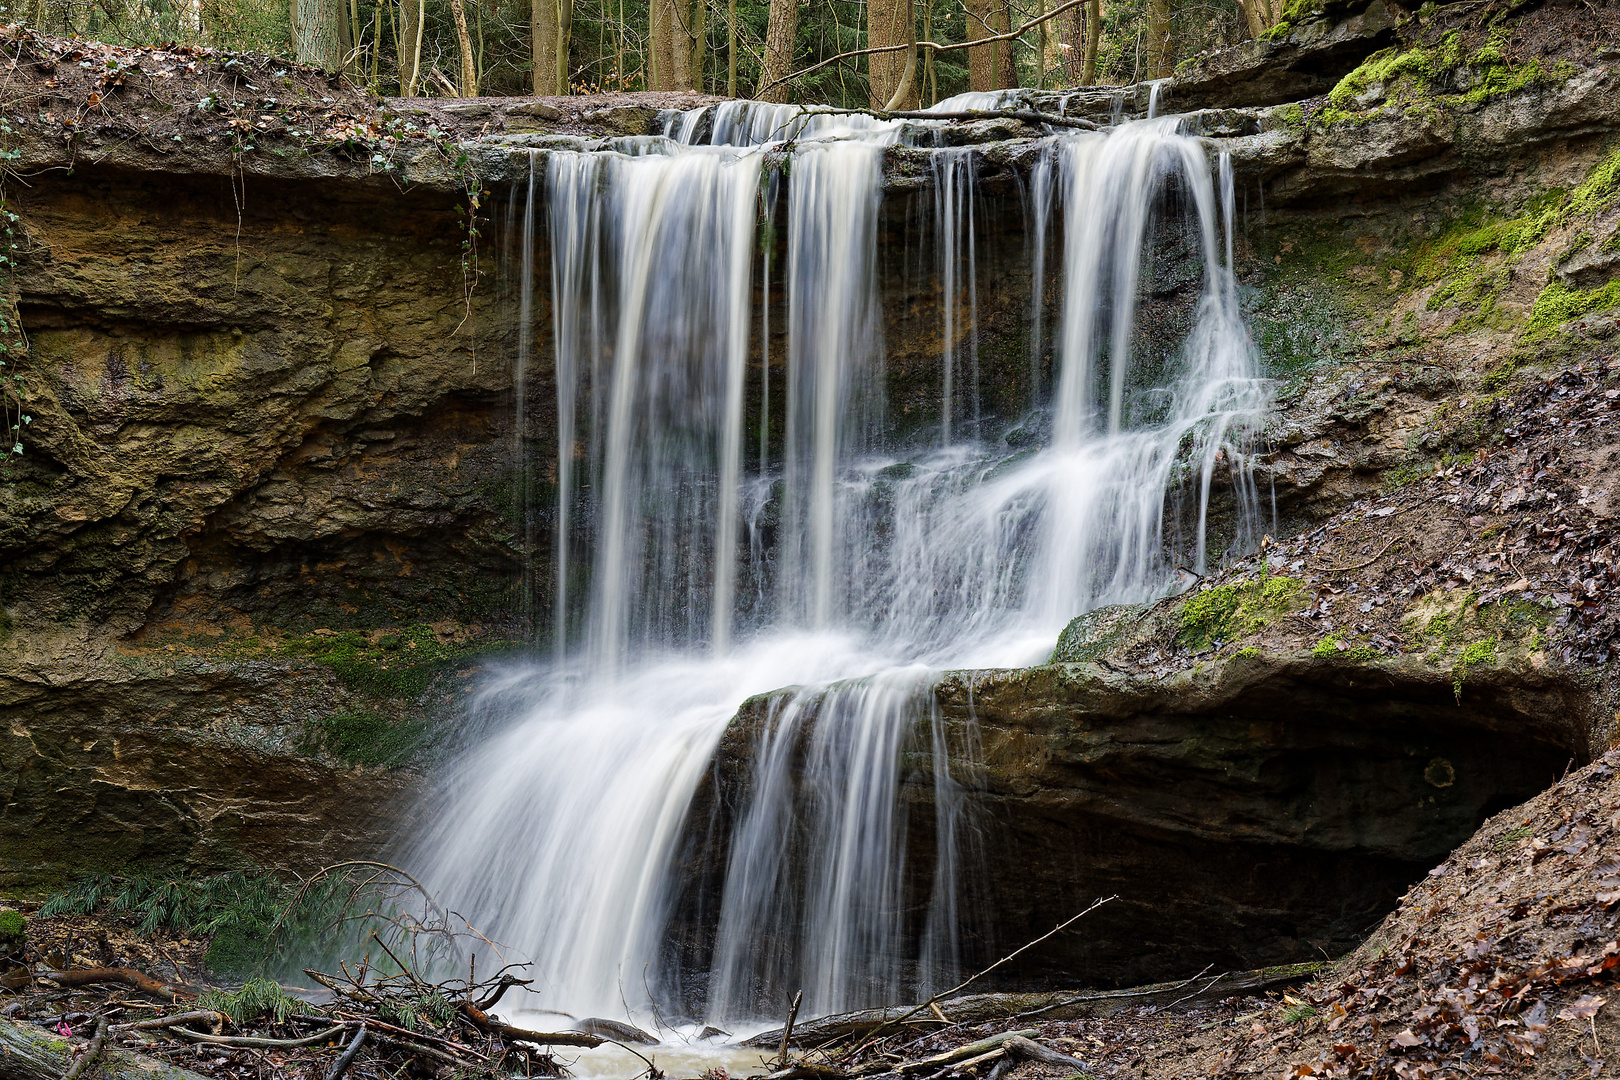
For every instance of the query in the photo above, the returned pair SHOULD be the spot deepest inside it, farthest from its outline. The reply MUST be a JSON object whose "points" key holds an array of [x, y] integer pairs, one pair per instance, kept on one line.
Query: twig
{"points": [[342, 1063], [1342, 569], [90, 1052], [408, 972], [425, 1051]]}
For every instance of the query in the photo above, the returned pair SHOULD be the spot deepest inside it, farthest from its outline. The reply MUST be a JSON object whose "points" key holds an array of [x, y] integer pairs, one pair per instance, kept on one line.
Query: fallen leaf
{"points": [[1583, 1008]]}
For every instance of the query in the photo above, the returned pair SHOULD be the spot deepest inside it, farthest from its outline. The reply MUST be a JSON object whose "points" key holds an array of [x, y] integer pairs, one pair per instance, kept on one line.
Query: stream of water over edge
{"points": [[728, 555]]}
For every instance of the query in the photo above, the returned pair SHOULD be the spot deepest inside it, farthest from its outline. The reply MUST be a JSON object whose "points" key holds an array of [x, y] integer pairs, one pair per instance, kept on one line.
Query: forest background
{"points": [[848, 53]]}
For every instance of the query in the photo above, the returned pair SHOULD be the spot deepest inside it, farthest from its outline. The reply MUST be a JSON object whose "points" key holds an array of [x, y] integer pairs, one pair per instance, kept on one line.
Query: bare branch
{"points": [[936, 47]]}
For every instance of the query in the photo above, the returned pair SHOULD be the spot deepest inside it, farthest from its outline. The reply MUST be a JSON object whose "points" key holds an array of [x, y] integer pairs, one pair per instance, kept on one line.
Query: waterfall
{"points": [[713, 567]]}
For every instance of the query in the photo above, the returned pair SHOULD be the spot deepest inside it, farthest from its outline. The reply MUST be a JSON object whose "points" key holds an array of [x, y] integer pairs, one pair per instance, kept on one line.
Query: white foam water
{"points": [[715, 566]]}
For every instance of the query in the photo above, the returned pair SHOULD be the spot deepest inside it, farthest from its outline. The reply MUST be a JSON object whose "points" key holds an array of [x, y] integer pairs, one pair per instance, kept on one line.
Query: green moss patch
{"points": [[1228, 612], [1338, 647], [1559, 304], [1471, 263], [365, 738], [392, 664], [1432, 78], [1455, 630]]}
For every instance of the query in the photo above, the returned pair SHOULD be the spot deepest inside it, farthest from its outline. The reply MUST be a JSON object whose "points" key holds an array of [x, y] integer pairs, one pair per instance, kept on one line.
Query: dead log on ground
{"points": [[1051, 1005], [140, 980], [28, 1052]]}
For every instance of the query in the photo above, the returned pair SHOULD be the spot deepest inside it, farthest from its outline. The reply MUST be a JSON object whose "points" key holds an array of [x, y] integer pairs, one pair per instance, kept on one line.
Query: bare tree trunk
{"points": [[352, 61], [469, 67], [413, 16], [731, 49], [695, 27], [543, 40], [1071, 45], [990, 67], [781, 35], [1088, 71], [929, 75], [662, 30], [1252, 17], [565, 42], [1157, 54], [318, 30], [889, 22], [1041, 40]]}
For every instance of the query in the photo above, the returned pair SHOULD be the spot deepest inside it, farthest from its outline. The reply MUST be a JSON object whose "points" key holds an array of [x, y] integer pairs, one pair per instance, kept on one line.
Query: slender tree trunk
{"points": [[781, 35], [565, 42], [351, 39], [889, 22], [928, 56], [661, 33], [1158, 56], [413, 14], [990, 67], [731, 48], [696, 25], [1088, 71], [551, 28], [1252, 17], [1071, 45], [469, 66], [1040, 47]]}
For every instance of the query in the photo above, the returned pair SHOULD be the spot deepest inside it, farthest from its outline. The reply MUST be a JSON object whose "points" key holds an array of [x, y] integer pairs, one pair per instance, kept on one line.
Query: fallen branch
{"points": [[1034, 1051], [425, 1051], [976, 976], [507, 981], [255, 1042], [341, 1065], [545, 1038], [1057, 1005], [962, 1053], [169, 1021], [379, 1025], [787, 1029], [91, 1052], [123, 976]]}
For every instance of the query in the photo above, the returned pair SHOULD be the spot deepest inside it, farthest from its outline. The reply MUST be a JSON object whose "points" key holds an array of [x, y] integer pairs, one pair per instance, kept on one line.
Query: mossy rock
{"points": [[13, 927], [1096, 633]]}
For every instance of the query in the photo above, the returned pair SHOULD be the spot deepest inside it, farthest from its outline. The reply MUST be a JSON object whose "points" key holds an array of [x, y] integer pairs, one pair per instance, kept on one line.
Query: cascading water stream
{"points": [[723, 567]]}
